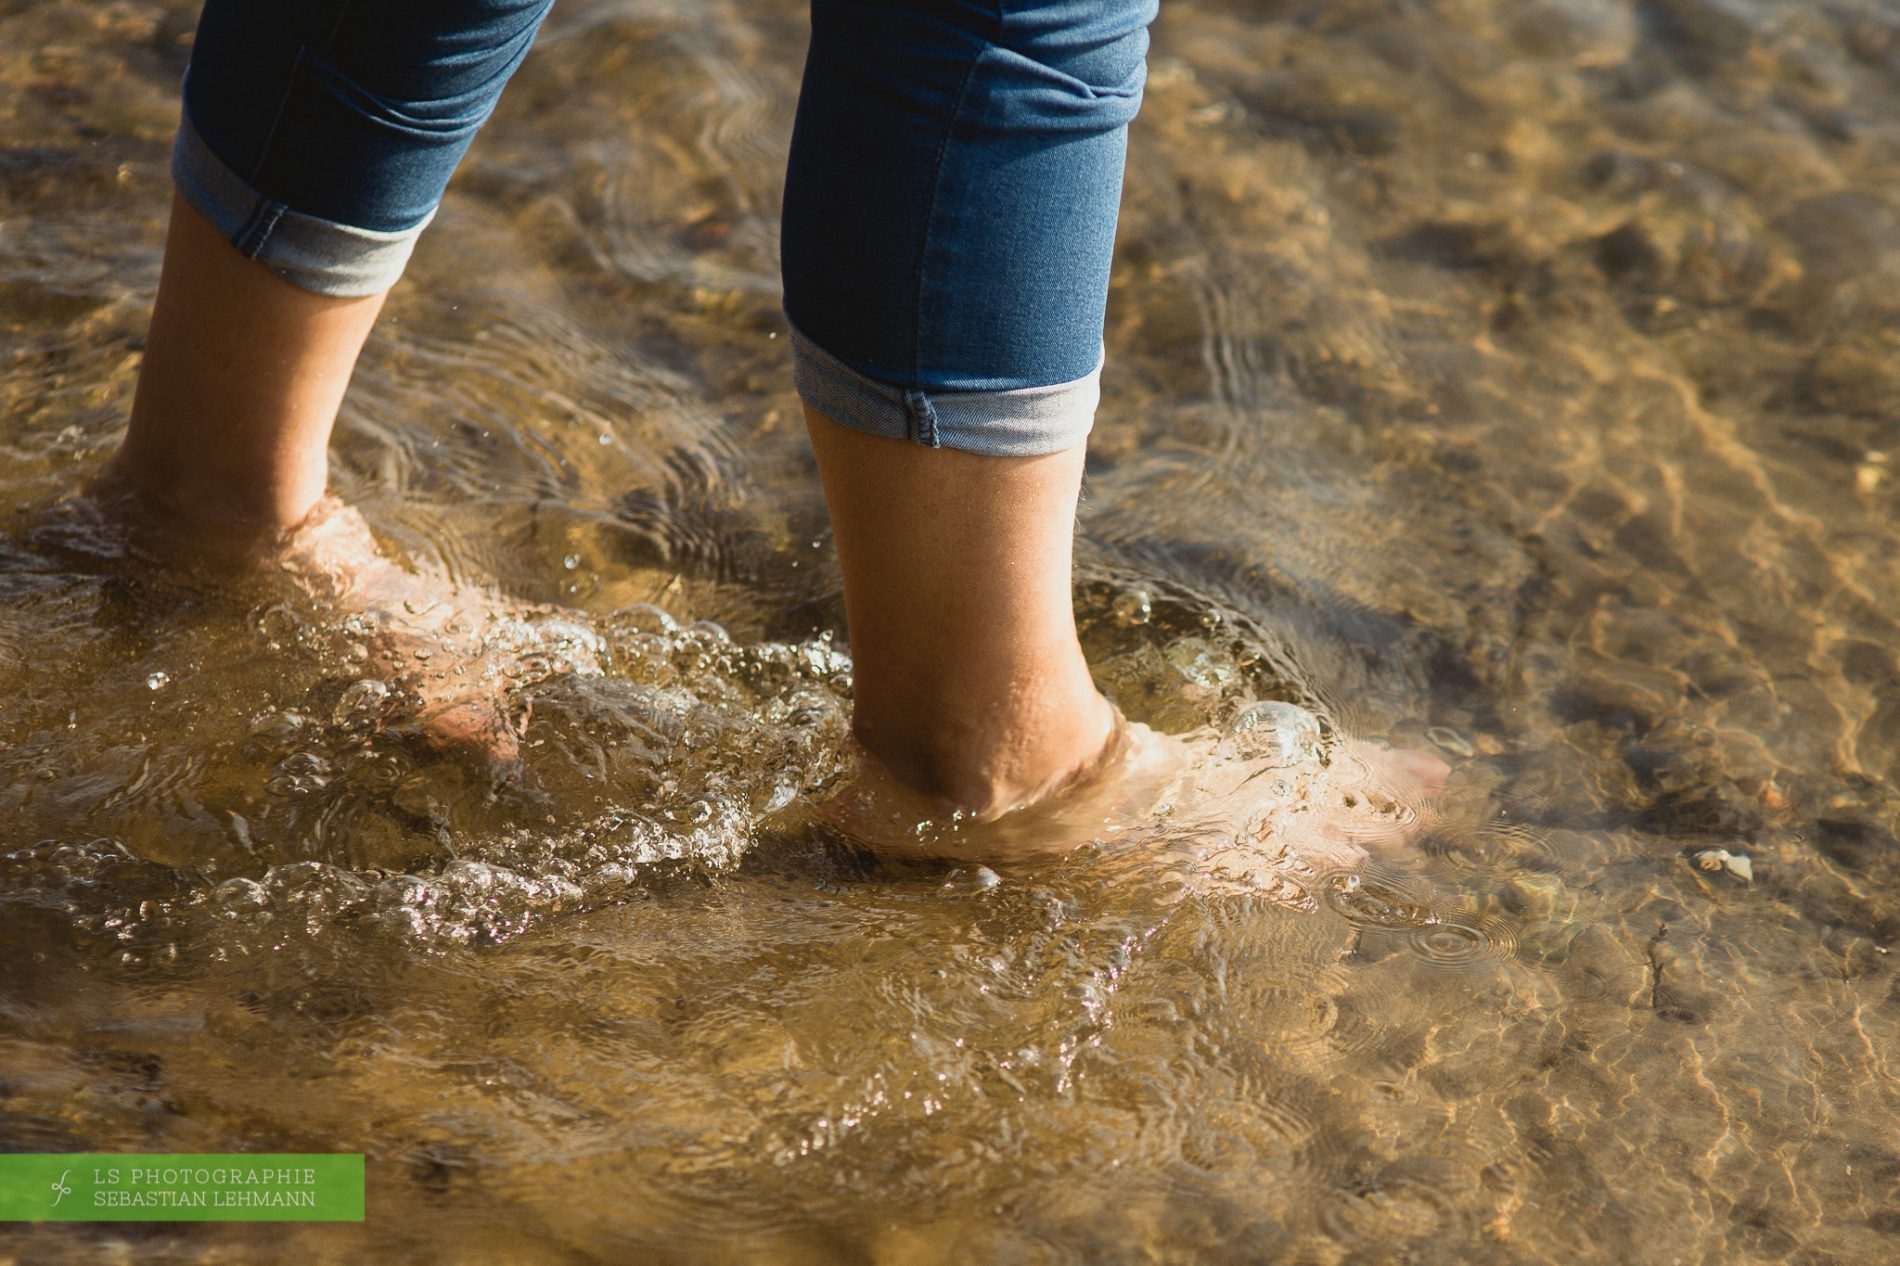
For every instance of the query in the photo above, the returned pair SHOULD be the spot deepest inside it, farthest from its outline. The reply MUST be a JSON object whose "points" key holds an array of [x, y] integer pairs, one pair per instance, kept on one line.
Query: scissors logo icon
{"points": [[60, 1189]]}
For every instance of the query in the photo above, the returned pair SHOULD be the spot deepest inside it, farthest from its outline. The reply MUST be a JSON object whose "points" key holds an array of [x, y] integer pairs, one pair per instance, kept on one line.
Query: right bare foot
{"points": [[1253, 811]]}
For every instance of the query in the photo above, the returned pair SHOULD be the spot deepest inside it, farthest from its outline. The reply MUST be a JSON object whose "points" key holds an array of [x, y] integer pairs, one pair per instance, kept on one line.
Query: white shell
{"points": [[1737, 864]]}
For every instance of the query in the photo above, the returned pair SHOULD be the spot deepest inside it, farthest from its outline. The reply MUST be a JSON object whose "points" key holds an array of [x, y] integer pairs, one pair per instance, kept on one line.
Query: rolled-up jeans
{"points": [[950, 202]]}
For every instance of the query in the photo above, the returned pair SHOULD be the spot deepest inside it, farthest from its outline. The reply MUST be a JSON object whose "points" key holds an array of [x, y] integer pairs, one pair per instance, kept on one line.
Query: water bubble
{"points": [[302, 763], [692, 813], [277, 725], [241, 895], [402, 891], [1280, 734], [363, 702], [279, 625], [300, 773], [643, 617], [1373, 904], [1200, 662], [821, 659], [1133, 607], [469, 877], [965, 881], [572, 562], [612, 876], [158, 681]]}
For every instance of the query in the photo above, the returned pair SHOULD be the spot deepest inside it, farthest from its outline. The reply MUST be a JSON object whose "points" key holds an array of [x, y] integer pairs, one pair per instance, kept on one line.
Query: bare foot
{"points": [[454, 651], [458, 651], [1256, 810], [1262, 824]]}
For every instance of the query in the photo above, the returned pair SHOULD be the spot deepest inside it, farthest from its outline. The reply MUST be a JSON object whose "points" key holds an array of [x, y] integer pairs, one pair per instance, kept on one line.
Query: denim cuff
{"points": [[1020, 422], [314, 254]]}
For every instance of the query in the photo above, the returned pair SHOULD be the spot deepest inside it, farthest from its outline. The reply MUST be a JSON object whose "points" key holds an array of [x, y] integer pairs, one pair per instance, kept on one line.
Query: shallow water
{"points": [[1512, 379]]}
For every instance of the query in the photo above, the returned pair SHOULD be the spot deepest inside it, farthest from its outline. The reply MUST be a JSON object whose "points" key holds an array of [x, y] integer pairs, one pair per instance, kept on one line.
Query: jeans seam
{"points": [[258, 228], [343, 11], [283, 102], [263, 219], [923, 419], [239, 239]]}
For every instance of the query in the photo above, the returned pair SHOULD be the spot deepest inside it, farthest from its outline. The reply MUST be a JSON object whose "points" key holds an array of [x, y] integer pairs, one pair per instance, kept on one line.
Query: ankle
{"points": [[985, 767], [202, 501]]}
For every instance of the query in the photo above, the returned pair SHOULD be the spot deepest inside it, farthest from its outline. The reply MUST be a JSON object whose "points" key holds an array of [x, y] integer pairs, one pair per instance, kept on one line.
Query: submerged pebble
{"points": [[1720, 859], [1450, 740]]}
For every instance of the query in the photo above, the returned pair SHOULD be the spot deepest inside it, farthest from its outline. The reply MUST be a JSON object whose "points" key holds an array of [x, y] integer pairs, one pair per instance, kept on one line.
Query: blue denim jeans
{"points": [[950, 202]]}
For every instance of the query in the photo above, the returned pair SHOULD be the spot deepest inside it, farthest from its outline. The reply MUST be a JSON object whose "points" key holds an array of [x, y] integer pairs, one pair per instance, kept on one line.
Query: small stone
{"points": [[1854, 378], [1720, 859], [1608, 964], [1537, 895]]}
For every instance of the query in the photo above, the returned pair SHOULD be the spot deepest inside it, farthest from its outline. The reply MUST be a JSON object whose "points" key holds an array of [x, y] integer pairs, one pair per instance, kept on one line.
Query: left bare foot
{"points": [[454, 651], [457, 650]]}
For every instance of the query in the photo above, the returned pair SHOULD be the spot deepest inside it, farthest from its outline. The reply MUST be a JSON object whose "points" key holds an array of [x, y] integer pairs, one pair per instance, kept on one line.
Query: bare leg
{"points": [[242, 377], [970, 684], [227, 449]]}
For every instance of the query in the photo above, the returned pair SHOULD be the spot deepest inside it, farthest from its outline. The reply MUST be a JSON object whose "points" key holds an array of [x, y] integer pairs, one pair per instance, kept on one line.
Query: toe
{"points": [[475, 727]]}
